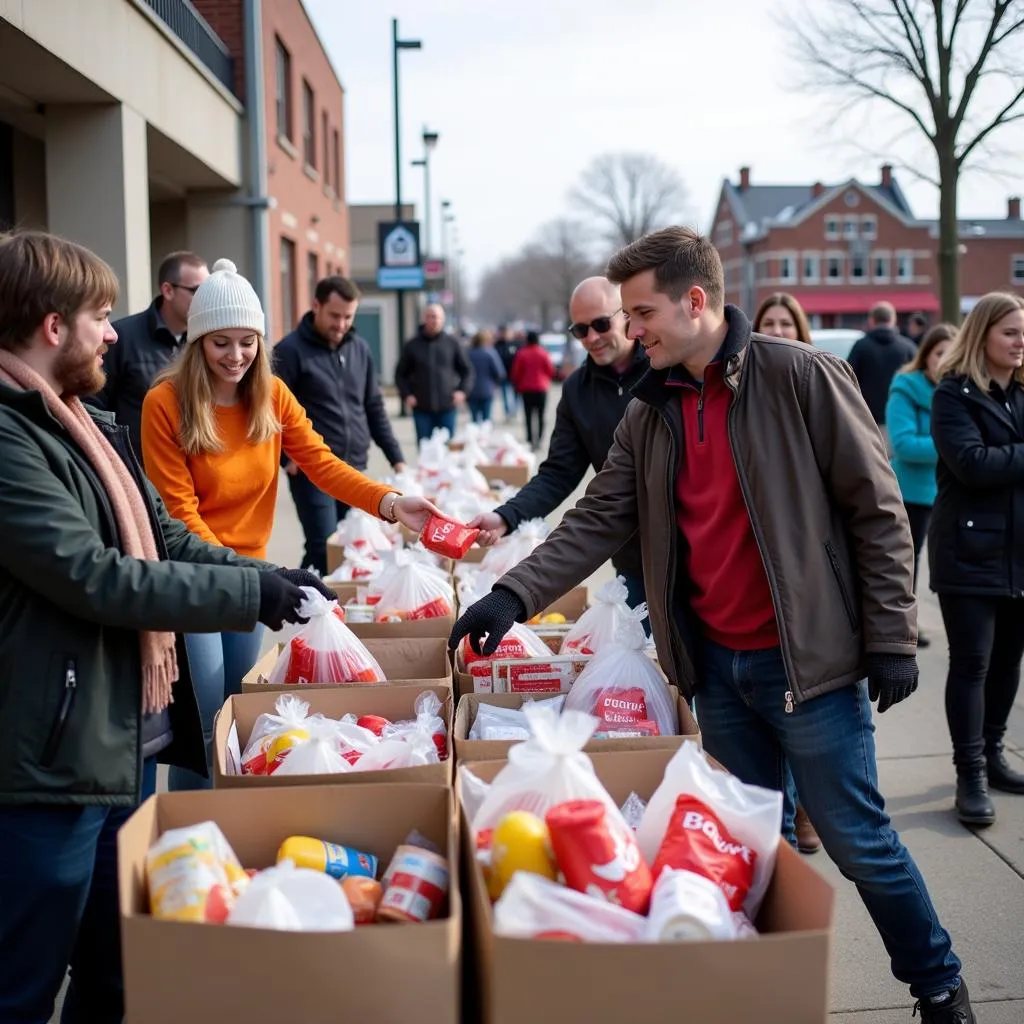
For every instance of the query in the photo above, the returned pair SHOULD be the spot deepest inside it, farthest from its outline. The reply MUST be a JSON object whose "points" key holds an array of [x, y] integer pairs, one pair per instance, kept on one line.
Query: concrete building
{"points": [[840, 248]]}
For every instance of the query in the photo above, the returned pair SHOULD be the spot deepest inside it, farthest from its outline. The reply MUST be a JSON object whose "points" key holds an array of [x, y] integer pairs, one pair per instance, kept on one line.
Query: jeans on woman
{"points": [[218, 661], [480, 409]]}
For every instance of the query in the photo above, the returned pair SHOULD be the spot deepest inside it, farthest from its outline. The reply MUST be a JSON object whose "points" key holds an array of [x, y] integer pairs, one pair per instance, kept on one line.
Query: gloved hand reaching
{"points": [[493, 616], [280, 600], [305, 578], [891, 678]]}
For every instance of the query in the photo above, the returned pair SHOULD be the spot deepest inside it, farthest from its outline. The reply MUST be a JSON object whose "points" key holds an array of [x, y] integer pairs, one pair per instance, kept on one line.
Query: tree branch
{"points": [[1003, 117], [999, 9]]}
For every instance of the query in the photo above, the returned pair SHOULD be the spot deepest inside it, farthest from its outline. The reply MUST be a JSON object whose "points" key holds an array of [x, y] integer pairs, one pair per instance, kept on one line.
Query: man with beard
{"points": [[96, 580]]}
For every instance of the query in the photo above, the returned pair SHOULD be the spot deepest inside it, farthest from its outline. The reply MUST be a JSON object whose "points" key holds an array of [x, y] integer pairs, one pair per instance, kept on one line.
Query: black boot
{"points": [[1000, 775], [973, 806], [949, 1008]]}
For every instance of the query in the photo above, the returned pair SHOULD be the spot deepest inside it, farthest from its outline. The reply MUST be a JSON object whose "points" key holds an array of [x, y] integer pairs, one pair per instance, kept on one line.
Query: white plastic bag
{"points": [[287, 898], [413, 591], [361, 531], [275, 735], [750, 817], [498, 723], [359, 566], [472, 791], [623, 688], [318, 755], [599, 625], [508, 553]]}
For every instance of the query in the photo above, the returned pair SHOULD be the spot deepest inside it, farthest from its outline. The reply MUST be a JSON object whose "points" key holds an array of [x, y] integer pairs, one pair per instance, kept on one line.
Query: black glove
{"points": [[492, 615], [305, 578], [891, 678], [279, 601]]}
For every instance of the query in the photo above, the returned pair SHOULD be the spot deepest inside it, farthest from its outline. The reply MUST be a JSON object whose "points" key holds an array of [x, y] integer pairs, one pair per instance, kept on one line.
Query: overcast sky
{"points": [[524, 95]]}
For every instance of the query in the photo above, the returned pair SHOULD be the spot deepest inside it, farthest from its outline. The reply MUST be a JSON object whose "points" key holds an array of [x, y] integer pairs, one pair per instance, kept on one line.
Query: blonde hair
{"points": [[966, 356], [193, 383]]}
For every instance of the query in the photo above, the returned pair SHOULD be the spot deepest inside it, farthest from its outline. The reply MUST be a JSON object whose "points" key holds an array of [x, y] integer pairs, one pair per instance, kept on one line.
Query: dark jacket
{"points": [[593, 401], [976, 533], [145, 346], [488, 373], [431, 370], [506, 350], [876, 358], [71, 607], [823, 501], [338, 388]]}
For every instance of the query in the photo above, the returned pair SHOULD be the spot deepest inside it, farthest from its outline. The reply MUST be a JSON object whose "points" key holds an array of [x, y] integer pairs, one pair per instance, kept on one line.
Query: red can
{"points": [[598, 856]]}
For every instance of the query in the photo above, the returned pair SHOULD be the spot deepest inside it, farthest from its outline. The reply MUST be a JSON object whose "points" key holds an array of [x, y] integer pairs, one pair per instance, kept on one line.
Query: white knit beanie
{"points": [[223, 301]]}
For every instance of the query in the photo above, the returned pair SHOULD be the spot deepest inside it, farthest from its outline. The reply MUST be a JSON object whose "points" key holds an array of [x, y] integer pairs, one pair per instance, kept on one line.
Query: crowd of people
{"points": [[768, 500]]}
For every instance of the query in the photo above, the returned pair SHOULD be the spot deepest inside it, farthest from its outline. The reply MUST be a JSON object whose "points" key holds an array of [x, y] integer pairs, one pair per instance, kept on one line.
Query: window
{"points": [[904, 267], [308, 124], [284, 91], [287, 284], [858, 268], [811, 268], [312, 273], [723, 235], [787, 268], [880, 267], [834, 268], [869, 226], [831, 227], [336, 146], [1017, 270], [851, 227], [325, 167]]}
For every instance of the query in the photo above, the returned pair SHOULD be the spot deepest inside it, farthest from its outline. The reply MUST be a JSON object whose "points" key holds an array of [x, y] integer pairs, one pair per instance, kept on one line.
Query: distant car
{"points": [[837, 340], [554, 344]]}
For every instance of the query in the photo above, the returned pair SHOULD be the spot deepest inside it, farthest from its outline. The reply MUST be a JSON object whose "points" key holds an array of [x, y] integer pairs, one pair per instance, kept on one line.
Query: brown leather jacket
{"points": [[825, 506]]}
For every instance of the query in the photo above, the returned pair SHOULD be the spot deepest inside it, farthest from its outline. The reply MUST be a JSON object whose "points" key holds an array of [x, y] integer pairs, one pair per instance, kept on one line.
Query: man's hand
{"points": [[305, 578], [492, 617], [410, 402], [891, 678], [290, 468], [491, 526], [459, 397], [414, 512]]}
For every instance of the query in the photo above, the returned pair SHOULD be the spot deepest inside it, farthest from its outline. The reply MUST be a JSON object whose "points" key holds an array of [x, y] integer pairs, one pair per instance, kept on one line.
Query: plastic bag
{"points": [[709, 822], [599, 625], [414, 591], [624, 689], [361, 531], [287, 898], [472, 791], [324, 650], [633, 810], [274, 736], [403, 748], [428, 707], [447, 537], [320, 754], [532, 907], [513, 549], [359, 566], [498, 723]]}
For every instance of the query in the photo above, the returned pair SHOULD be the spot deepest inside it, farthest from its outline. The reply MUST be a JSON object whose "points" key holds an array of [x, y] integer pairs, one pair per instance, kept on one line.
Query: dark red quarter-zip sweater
{"points": [[731, 595]]}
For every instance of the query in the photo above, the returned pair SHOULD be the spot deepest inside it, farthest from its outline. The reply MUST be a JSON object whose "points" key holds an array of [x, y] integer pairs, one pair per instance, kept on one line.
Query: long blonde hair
{"points": [[193, 383], [966, 356]]}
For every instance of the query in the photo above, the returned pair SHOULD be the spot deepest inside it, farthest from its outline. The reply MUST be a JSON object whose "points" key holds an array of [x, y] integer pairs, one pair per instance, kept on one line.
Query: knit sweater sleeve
{"points": [[166, 463], [306, 448]]}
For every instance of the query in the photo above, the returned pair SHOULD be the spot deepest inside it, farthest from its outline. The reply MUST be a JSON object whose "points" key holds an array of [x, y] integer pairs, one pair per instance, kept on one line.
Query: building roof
{"points": [[983, 228]]}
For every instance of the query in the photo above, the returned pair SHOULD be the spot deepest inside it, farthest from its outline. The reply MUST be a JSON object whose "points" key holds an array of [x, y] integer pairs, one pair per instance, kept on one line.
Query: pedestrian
{"points": [[917, 327], [976, 543], [149, 341], [731, 440], [532, 374], [877, 357], [433, 375], [506, 347], [781, 316], [594, 399], [488, 376], [328, 367], [95, 686], [213, 430], [908, 416]]}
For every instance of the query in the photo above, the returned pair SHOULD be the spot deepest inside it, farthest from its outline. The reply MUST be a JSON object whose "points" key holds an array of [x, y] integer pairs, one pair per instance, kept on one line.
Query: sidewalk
{"points": [[976, 880]]}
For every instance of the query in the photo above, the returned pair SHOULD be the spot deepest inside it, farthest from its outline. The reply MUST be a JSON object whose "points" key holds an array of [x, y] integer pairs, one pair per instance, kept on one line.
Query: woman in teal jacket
{"points": [[908, 417]]}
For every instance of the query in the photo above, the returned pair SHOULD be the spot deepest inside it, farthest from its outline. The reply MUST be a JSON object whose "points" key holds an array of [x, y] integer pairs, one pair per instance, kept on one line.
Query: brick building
{"points": [[840, 248]]}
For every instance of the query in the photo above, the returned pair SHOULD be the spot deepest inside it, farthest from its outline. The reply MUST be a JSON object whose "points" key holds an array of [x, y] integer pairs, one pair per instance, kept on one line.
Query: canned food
{"points": [[415, 886]]}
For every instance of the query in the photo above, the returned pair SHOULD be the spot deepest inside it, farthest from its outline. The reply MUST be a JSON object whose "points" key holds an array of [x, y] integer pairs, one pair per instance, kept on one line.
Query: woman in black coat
{"points": [[976, 544]]}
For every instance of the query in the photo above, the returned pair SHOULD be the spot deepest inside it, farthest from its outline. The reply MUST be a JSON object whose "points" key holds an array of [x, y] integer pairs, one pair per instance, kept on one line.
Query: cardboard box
{"points": [[513, 476], [497, 750], [416, 628], [406, 661], [395, 703], [724, 982], [392, 974]]}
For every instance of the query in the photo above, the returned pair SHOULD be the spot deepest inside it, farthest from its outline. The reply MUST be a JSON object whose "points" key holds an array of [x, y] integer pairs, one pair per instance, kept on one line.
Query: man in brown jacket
{"points": [[777, 560]]}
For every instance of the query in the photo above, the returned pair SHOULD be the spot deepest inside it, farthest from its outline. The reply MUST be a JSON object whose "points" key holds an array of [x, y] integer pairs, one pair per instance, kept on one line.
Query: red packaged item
{"points": [[413, 590], [447, 537], [598, 856], [697, 841], [375, 723]]}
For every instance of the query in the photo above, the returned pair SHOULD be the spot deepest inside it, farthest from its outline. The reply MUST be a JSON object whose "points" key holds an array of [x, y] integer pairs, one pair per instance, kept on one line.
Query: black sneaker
{"points": [[951, 1007]]}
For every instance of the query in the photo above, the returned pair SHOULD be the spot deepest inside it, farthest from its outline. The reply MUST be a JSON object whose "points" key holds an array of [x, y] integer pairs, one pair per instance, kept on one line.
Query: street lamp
{"points": [[429, 143]]}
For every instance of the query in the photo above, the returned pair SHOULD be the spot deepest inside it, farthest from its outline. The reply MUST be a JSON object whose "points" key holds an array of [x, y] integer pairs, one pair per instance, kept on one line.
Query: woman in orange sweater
{"points": [[213, 429]]}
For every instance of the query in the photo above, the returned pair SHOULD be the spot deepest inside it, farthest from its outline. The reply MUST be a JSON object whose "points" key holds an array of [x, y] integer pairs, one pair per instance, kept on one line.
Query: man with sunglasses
{"points": [[594, 398], [148, 341]]}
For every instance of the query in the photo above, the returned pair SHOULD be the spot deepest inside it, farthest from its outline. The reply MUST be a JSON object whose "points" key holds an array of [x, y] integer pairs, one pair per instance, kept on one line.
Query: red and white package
{"points": [[359, 566], [599, 625], [708, 822], [324, 650], [361, 532], [275, 735], [447, 537], [413, 591]]}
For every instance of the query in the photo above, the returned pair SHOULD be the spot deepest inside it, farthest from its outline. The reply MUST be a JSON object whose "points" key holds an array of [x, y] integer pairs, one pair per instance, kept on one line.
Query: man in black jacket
{"points": [[149, 341], [878, 356], [433, 375], [329, 369], [594, 397]]}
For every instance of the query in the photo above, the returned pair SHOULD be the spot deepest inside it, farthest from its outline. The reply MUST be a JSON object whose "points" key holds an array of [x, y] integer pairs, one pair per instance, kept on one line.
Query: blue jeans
{"points": [[58, 907], [509, 398], [319, 515], [218, 661], [427, 422], [636, 594], [829, 744], [480, 409]]}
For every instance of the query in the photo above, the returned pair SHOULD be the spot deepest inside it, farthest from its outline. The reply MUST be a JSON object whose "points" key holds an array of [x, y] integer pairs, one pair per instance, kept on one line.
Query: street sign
{"points": [[433, 268], [399, 265]]}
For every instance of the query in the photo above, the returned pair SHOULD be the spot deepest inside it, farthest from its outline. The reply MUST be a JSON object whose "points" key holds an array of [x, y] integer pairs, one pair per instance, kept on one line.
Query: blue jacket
{"points": [[488, 373], [908, 415]]}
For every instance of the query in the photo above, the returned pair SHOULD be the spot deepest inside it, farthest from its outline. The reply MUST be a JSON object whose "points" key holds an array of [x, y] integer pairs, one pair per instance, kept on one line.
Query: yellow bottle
{"points": [[520, 842], [330, 858]]}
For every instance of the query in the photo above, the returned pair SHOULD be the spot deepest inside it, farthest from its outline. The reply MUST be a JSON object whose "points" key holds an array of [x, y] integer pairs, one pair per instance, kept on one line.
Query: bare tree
{"points": [[947, 68], [629, 194]]}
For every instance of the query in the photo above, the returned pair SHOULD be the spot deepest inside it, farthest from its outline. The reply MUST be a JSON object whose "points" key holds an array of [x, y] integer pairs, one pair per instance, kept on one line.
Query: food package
{"points": [[599, 625], [415, 885], [293, 899], [623, 688], [364, 896], [497, 723], [329, 858], [462, 477], [193, 875], [404, 745], [510, 551], [358, 566], [318, 754], [688, 907], [708, 822], [274, 736], [428, 722], [447, 537], [324, 649], [534, 907], [520, 842], [362, 532], [413, 591]]}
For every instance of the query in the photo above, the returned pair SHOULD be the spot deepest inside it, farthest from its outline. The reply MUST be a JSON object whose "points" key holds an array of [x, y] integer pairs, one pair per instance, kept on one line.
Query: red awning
{"points": [[860, 301]]}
